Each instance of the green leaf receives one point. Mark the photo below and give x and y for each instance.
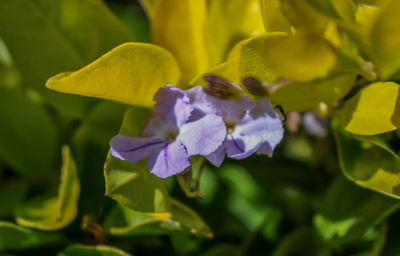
(300, 241)
(368, 161)
(180, 28)
(123, 221)
(132, 184)
(375, 109)
(14, 237)
(87, 250)
(349, 211)
(300, 57)
(309, 96)
(26, 127)
(130, 73)
(11, 196)
(227, 23)
(246, 201)
(384, 39)
(100, 124)
(55, 212)
(46, 37)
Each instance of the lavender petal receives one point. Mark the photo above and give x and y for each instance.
(168, 161)
(134, 149)
(204, 136)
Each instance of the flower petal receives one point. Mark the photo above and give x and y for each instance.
(258, 127)
(134, 149)
(217, 157)
(170, 160)
(204, 136)
(229, 110)
(173, 105)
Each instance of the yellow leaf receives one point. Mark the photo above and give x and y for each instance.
(384, 39)
(374, 110)
(300, 57)
(149, 6)
(228, 70)
(130, 73)
(229, 22)
(273, 17)
(304, 17)
(178, 26)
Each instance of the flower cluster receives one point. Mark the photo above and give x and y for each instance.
(194, 122)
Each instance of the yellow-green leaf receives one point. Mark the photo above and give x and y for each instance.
(56, 212)
(178, 26)
(309, 96)
(304, 17)
(132, 184)
(246, 59)
(252, 62)
(149, 6)
(228, 22)
(123, 221)
(131, 73)
(273, 17)
(14, 237)
(87, 250)
(228, 70)
(300, 57)
(375, 109)
(368, 161)
(384, 39)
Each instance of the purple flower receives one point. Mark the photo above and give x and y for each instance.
(171, 136)
(253, 126)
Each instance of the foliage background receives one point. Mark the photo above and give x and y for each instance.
(296, 203)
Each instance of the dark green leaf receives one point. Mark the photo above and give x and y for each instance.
(52, 213)
(26, 128)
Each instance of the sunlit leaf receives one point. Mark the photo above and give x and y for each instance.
(14, 237)
(28, 137)
(375, 109)
(349, 211)
(149, 6)
(300, 57)
(228, 22)
(228, 70)
(87, 250)
(273, 17)
(123, 221)
(304, 17)
(46, 37)
(252, 60)
(309, 96)
(368, 161)
(54, 212)
(130, 73)
(132, 184)
(179, 28)
(246, 59)
(384, 39)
